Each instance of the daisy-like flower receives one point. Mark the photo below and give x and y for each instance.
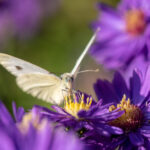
(31, 132)
(134, 100)
(82, 114)
(124, 34)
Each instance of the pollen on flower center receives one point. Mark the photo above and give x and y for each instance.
(135, 22)
(131, 119)
(73, 106)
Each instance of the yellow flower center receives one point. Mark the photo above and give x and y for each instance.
(131, 119)
(73, 106)
(135, 22)
(28, 119)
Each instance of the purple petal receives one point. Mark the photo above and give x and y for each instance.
(6, 143)
(5, 116)
(135, 85)
(43, 139)
(18, 113)
(68, 141)
(102, 51)
(136, 139)
(120, 85)
(112, 129)
(141, 148)
(146, 86)
(139, 62)
(58, 109)
(110, 17)
(143, 5)
(106, 91)
(146, 134)
(145, 128)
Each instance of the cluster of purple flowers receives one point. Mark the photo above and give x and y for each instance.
(120, 119)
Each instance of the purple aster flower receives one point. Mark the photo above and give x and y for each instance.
(83, 115)
(124, 34)
(30, 132)
(134, 100)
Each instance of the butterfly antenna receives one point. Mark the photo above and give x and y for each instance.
(84, 71)
(73, 72)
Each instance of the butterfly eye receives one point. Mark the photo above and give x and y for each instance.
(71, 79)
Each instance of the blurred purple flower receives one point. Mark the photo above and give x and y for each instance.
(23, 18)
(135, 101)
(37, 134)
(124, 34)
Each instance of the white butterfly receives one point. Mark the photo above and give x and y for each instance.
(39, 82)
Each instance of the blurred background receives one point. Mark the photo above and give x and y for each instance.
(51, 34)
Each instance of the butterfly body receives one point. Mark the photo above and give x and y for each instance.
(65, 86)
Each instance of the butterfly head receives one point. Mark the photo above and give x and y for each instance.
(67, 79)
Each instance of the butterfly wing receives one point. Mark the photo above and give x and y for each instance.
(33, 79)
(42, 86)
(18, 66)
